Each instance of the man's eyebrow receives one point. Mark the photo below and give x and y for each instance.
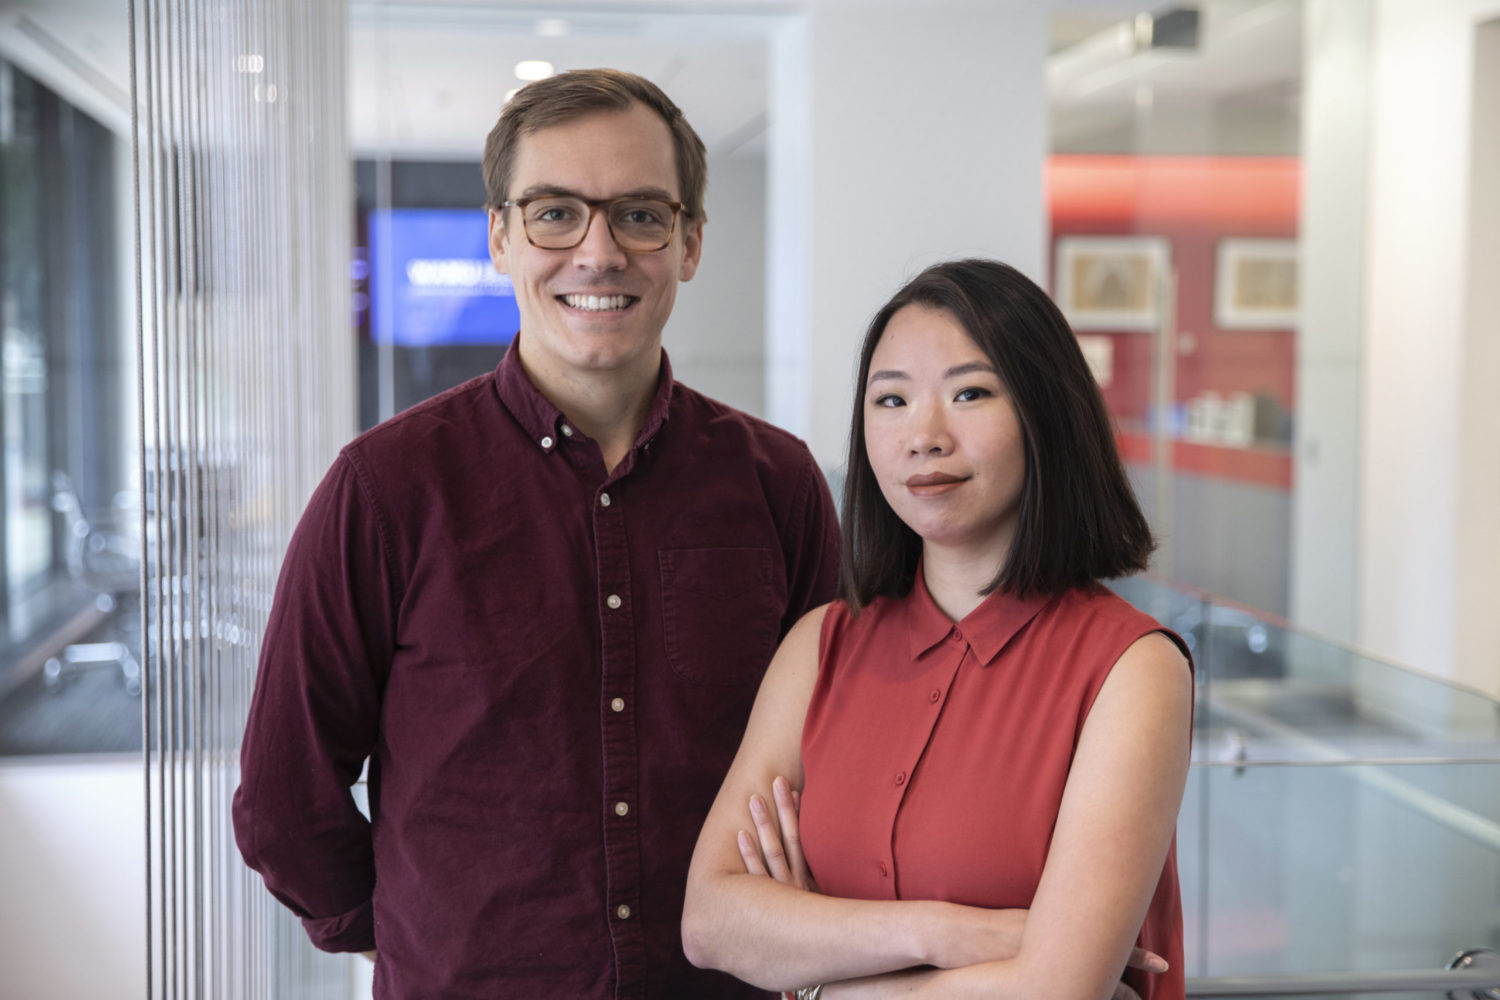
(557, 191)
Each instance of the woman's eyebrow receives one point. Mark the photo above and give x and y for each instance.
(886, 375)
(969, 368)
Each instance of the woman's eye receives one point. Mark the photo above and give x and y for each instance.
(972, 393)
(889, 399)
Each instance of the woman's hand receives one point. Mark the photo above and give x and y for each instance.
(777, 852)
(972, 935)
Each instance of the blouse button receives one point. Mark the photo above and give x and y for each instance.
(958, 636)
(934, 695)
(617, 705)
(621, 808)
(613, 600)
(622, 911)
(901, 778)
(567, 431)
(546, 442)
(604, 500)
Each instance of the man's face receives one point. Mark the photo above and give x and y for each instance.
(599, 156)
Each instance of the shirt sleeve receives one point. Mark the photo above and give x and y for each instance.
(811, 544)
(315, 714)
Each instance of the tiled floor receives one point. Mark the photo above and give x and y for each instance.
(90, 713)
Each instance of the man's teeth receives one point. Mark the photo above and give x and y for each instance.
(597, 303)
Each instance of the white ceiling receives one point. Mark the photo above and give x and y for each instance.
(427, 77)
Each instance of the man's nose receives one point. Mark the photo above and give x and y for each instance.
(598, 250)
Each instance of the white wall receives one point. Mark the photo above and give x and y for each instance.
(1323, 585)
(72, 879)
(921, 130)
(716, 336)
(1430, 468)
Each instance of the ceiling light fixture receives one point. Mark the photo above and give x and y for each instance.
(533, 69)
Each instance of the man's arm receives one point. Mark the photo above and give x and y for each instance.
(314, 716)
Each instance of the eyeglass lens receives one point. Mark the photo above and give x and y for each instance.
(637, 223)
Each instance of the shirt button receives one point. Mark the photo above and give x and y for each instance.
(901, 778)
(934, 695)
(604, 500)
(622, 911)
(958, 636)
(613, 600)
(567, 431)
(546, 442)
(618, 704)
(621, 808)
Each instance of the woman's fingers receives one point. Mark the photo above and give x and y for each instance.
(770, 840)
(787, 807)
(749, 854)
(1145, 960)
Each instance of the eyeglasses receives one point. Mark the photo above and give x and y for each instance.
(560, 222)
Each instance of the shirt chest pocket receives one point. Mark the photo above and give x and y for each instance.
(721, 613)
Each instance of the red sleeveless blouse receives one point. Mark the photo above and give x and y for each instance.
(935, 753)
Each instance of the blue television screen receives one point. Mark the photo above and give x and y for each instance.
(431, 280)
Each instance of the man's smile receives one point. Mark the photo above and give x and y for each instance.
(598, 303)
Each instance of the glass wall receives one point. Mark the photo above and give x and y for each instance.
(1174, 191)
(68, 593)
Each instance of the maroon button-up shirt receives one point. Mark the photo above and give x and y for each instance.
(549, 667)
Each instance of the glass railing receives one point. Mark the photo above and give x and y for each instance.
(1340, 834)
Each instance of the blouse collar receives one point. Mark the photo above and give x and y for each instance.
(987, 628)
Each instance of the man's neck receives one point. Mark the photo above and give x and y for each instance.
(610, 407)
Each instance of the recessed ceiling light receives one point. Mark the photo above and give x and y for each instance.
(552, 27)
(533, 69)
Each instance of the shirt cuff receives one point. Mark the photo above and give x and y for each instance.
(350, 931)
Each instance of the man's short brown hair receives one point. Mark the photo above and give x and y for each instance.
(566, 96)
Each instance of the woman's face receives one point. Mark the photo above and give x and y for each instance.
(941, 435)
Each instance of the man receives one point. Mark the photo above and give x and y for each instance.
(540, 603)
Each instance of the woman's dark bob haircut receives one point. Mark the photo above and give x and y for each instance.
(1079, 521)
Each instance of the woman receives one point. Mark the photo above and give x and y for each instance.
(991, 748)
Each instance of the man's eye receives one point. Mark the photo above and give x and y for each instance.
(554, 214)
(640, 215)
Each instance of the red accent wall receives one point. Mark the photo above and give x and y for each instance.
(1194, 202)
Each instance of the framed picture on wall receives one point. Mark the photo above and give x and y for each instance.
(1255, 284)
(1111, 282)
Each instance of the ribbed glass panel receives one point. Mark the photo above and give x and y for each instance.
(247, 390)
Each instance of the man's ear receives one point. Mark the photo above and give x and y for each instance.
(692, 249)
(497, 241)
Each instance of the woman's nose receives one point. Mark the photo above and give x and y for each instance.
(930, 432)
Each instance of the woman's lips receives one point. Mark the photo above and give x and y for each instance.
(931, 484)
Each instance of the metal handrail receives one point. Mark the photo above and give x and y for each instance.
(1472, 974)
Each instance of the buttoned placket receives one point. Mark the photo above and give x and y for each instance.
(928, 694)
(621, 791)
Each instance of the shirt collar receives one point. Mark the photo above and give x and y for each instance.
(987, 629)
(543, 422)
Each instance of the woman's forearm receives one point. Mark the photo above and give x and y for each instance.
(779, 937)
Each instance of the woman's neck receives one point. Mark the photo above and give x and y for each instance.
(955, 577)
